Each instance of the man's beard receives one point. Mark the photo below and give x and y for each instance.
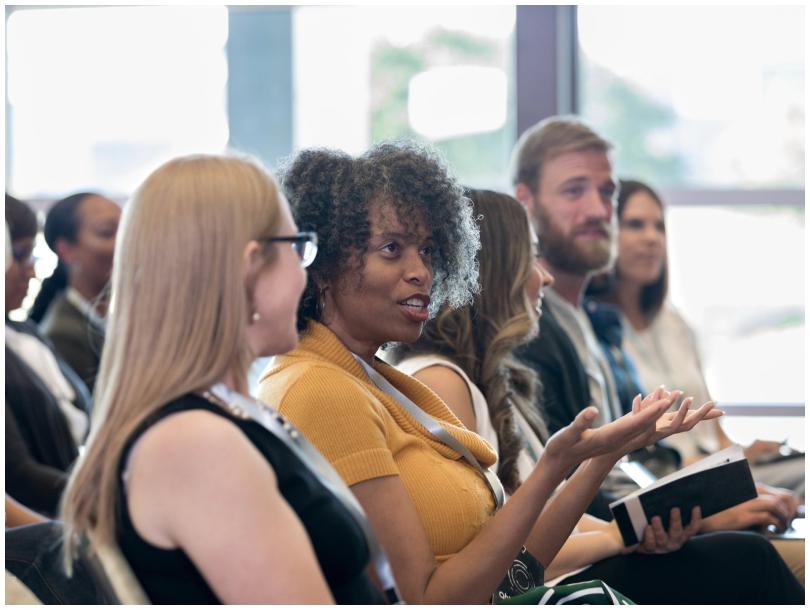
(565, 253)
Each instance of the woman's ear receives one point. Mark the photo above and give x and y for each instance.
(252, 258)
(65, 250)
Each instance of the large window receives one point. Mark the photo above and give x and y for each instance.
(98, 97)
(713, 115)
(698, 96)
(438, 74)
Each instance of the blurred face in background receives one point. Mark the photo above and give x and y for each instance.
(91, 255)
(20, 272)
(642, 240)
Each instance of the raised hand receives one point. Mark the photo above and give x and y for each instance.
(577, 441)
(678, 421)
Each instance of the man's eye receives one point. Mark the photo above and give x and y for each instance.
(575, 191)
(607, 193)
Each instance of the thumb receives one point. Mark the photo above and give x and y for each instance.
(586, 417)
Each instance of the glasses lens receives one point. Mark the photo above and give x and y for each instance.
(309, 249)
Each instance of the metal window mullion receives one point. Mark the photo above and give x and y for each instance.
(721, 197)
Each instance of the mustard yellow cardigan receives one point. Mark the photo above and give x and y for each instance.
(366, 434)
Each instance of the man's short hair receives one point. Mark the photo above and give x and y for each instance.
(548, 139)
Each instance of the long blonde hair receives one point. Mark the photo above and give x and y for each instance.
(178, 314)
(481, 338)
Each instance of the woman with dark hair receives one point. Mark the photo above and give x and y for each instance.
(71, 304)
(661, 342)
(47, 405)
(665, 350)
(399, 242)
(466, 356)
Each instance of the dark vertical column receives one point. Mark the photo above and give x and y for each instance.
(260, 81)
(546, 63)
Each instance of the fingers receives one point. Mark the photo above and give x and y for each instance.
(694, 524)
(648, 540)
(675, 524)
(585, 418)
(680, 415)
(766, 510)
(659, 532)
(636, 404)
(702, 413)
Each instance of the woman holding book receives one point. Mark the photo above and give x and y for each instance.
(466, 356)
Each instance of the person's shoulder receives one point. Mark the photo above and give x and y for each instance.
(300, 388)
(188, 436)
(671, 317)
(63, 319)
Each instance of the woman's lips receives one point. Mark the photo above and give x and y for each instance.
(415, 307)
(414, 312)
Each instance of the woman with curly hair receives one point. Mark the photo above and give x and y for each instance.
(466, 356)
(398, 241)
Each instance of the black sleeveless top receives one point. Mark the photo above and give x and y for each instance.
(169, 576)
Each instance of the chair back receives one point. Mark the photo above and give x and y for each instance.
(115, 574)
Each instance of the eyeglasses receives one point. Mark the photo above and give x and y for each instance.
(305, 245)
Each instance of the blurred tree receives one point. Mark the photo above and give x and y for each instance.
(479, 160)
(641, 127)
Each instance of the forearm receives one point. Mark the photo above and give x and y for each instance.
(558, 519)
(589, 523)
(472, 575)
(582, 549)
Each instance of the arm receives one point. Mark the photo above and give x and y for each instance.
(452, 389)
(196, 482)
(17, 514)
(34, 484)
(773, 506)
(557, 520)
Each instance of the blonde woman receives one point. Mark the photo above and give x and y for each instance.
(206, 503)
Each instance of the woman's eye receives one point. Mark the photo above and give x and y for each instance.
(391, 248)
(632, 224)
(428, 251)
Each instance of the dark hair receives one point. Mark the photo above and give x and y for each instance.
(482, 337)
(21, 219)
(331, 192)
(652, 296)
(60, 223)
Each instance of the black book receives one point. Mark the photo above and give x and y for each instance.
(715, 483)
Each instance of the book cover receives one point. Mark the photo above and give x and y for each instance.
(715, 483)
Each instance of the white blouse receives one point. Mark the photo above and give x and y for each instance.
(666, 352)
(484, 428)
